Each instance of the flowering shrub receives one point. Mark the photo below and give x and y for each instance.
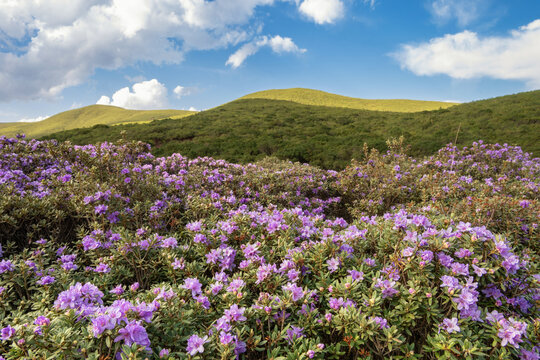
(108, 252)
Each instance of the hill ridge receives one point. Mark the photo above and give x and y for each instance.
(307, 96)
(247, 130)
(88, 116)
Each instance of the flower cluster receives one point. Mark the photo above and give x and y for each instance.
(393, 257)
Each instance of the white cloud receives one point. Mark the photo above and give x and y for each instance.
(464, 11)
(322, 11)
(36, 119)
(236, 59)
(181, 91)
(47, 46)
(277, 43)
(64, 42)
(146, 95)
(466, 55)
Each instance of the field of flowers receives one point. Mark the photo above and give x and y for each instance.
(109, 252)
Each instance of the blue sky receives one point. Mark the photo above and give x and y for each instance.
(150, 54)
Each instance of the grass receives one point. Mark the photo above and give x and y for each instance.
(321, 98)
(247, 130)
(86, 117)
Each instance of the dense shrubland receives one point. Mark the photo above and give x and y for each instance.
(248, 130)
(109, 251)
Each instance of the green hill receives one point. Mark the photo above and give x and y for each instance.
(321, 98)
(246, 130)
(86, 117)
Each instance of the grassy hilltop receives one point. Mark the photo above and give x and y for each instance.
(321, 98)
(85, 117)
(246, 130)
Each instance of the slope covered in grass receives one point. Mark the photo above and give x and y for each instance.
(321, 98)
(250, 129)
(85, 117)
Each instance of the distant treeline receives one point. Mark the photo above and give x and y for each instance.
(248, 130)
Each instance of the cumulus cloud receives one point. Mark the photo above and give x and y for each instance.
(322, 11)
(277, 43)
(463, 11)
(46, 46)
(36, 119)
(181, 91)
(467, 55)
(146, 95)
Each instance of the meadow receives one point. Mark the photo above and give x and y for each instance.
(88, 116)
(248, 130)
(322, 98)
(109, 251)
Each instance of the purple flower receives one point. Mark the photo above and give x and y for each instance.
(387, 287)
(178, 264)
(450, 282)
(236, 285)
(265, 271)
(200, 238)
(7, 332)
(192, 284)
(203, 300)
(42, 321)
(511, 332)
(235, 314)
(511, 263)
(529, 355)
(223, 324)
(356, 275)
(196, 344)
(383, 323)
(479, 271)
(460, 269)
(119, 290)
(134, 286)
(194, 226)
(169, 243)
(466, 299)
(68, 266)
(225, 338)
(407, 252)
(333, 264)
(6, 265)
(451, 325)
(46, 280)
(426, 255)
(133, 332)
(462, 253)
(89, 243)
(101, 323)
(163, 353)
(294, 333)
(79, 297)
(64, 178)
(369, 262)
(239, 347)
(295, 290)
(101, 209)
(102, 268)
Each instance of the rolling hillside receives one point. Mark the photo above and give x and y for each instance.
(246, 130)
(321, 98)
(87, 116)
